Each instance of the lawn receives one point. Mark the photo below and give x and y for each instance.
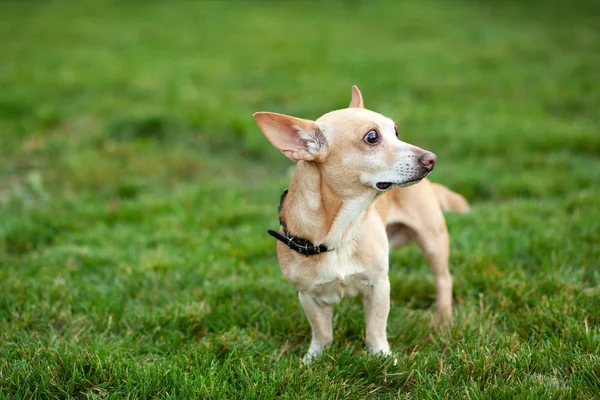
(136, 190)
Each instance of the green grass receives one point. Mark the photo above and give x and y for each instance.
(135, 191)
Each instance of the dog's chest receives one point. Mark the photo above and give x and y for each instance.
(334, 291)
(337, 276)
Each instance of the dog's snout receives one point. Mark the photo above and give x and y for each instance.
(427, 160)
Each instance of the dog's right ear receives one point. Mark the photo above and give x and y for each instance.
(357, 100)
(299, 139)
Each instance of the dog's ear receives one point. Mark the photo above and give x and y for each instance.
(299, 139)
(357, 100)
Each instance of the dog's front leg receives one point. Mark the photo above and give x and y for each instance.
(376, 300)
(319, 316)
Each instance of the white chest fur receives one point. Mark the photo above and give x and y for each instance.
(337, 266)
(333, 292)
(339, 275)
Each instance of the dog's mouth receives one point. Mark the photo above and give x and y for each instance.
(388, 185)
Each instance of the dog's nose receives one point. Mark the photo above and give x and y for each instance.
(427, 160)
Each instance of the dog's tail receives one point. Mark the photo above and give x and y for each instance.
(449, 200)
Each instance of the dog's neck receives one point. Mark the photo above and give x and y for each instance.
(314, 211)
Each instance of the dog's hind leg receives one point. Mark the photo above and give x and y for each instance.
(436, 247)
(319, 316)
(416, 214)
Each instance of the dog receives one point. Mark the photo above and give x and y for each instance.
(357, 191)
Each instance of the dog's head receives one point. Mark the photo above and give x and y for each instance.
(353, 147)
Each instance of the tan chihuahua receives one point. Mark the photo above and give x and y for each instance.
(357, 190)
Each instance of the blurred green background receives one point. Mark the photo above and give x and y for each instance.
(135, 190)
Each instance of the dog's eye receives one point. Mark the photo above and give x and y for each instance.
(371, 138)
(396, 130)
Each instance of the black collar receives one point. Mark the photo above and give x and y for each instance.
(299, 245)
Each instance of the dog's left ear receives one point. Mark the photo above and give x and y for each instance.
(357, 100)
(299, 139)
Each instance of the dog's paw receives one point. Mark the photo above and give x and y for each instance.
(312, 354)
(387, 354)
(442, 320)
(383, 350)
(379, 347)
(310, 357)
